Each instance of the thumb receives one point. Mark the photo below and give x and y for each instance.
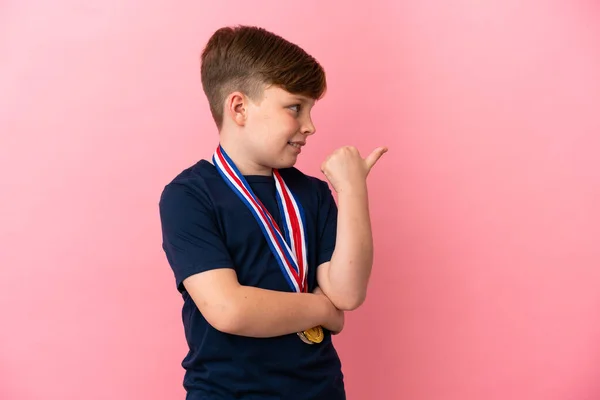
(374, 156)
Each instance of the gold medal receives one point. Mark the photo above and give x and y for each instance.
(312, 335)
(303, 338)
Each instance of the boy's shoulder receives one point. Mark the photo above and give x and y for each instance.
(201, 182)
(192, 173)
(201, 171)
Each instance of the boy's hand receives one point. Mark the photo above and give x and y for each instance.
(335, 322)
(345, 168)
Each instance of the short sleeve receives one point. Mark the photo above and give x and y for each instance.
(327, 224)
(191, 239)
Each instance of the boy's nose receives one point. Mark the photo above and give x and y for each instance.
(308, 128)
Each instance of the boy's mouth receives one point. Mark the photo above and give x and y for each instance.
(297, 145)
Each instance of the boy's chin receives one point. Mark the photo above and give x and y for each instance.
(281, 164)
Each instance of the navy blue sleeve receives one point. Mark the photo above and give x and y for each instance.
(327, 223)
(191, 239)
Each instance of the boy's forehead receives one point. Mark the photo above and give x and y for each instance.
(284, 94)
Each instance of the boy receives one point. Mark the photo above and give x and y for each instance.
(263, 259)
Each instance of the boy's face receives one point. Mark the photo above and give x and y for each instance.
(277, 127)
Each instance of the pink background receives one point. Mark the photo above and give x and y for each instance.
(486, 209)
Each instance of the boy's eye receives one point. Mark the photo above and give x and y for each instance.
(295, 107)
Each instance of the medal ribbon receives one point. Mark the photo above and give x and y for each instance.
(289, 251)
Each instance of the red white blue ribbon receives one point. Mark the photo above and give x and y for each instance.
(289, 246)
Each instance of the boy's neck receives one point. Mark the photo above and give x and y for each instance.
(245, 166)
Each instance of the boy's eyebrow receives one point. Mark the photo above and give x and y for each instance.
(303, 99)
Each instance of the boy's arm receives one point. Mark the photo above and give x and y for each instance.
(345, 278)
(248, 311)
(203, 267)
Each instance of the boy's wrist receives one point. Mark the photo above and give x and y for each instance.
(351, 188)
(325, 308)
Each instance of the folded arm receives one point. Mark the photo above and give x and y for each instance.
(202, 264)
(248, 311)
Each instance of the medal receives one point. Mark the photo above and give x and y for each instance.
(312, 335)
(289, 247)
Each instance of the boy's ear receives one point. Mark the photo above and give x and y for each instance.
(236, 107)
